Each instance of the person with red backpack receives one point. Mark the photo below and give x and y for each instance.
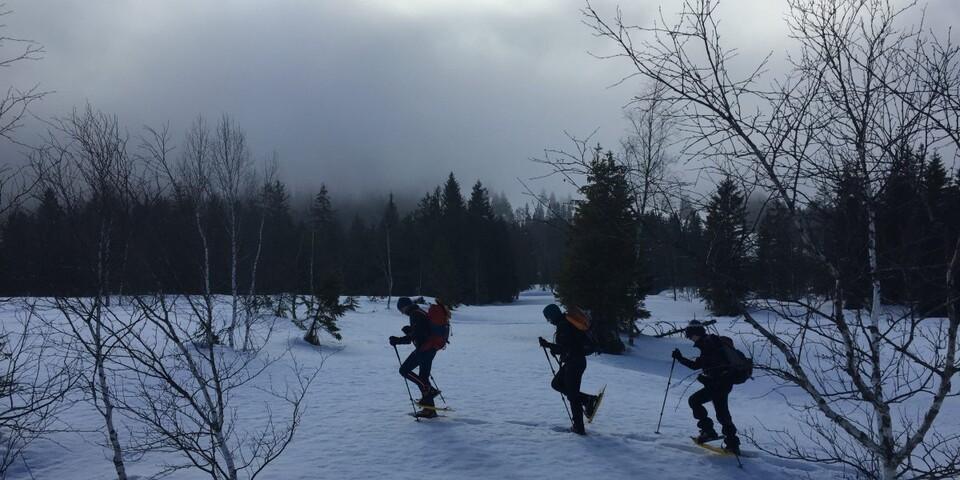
(572, 347)
(720, 371)
(429, 333)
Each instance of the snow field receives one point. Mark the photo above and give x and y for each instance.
(507, 423)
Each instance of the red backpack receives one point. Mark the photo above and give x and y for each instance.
(439, 316)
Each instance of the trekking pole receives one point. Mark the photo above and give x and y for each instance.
(662, 407)
(405, 384)
(434, 380)
(562, 398)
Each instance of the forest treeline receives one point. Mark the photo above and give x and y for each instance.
(108, 218)
(464, 246)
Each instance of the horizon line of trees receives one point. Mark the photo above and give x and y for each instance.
(202, 218)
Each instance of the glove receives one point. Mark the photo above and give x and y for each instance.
(406, 329)
(394, 341)
(676, 354)
(544, 343)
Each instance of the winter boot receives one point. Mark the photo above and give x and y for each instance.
(578, 429)
(426, 398)
(707, 436)
(427, 413)
(732, 444)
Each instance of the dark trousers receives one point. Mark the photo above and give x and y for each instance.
(718, 394)
(424, 360)
(567, 381)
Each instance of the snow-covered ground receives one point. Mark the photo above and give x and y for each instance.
(507, 422)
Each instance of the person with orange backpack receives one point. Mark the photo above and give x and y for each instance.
(723, 366)
(428, 332)
(571, 349)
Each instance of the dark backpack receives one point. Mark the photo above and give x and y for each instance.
(739, 366)
(439, 316)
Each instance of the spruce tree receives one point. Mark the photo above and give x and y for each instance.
(778, 266)
(902, 224)
(448, 262)
(600, 269)
(479, 237)
(846, 239)
(325, 276)
(935, 240)
(724, 287)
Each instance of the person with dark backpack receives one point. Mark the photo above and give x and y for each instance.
(572, 345)
(722, 366)
(428, 333)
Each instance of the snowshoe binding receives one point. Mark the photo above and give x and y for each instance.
(706, 436)
(593, 404)
(426, 413)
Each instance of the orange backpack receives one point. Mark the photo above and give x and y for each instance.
(581, 321)
(578, 318)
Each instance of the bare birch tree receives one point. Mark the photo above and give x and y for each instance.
(184, 395)
(875, 380)
(91, 170)
(33, 385)
(15, 182)
(190, 178)
(15, 102)
(251, 302)
(646, 149)
(232, 173)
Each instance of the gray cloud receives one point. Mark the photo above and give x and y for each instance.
(362, 95)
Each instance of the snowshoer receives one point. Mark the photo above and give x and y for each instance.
(572, 346)
(717, 384)
(426, 344)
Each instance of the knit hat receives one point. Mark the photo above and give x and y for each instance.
(694, 329)
(552, 313)
(403, 303)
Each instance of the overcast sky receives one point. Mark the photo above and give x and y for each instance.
(360, 94)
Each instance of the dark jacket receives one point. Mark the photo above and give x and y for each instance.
(713, 362)
(570, 342)
(419, 330)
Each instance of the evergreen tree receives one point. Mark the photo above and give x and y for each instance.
(600, 269)
(778, 266)
(846, 240)
(18, 258)
(725, 285)
(277, 259)
(325, 310)
(902, 225)
(325, 277)
(479, 236)
(361, 273)
(448, 262)
(936, 238)
(55, 263)
(326, 237)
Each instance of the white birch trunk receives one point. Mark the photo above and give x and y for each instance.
(389, 271)
(248, 316)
